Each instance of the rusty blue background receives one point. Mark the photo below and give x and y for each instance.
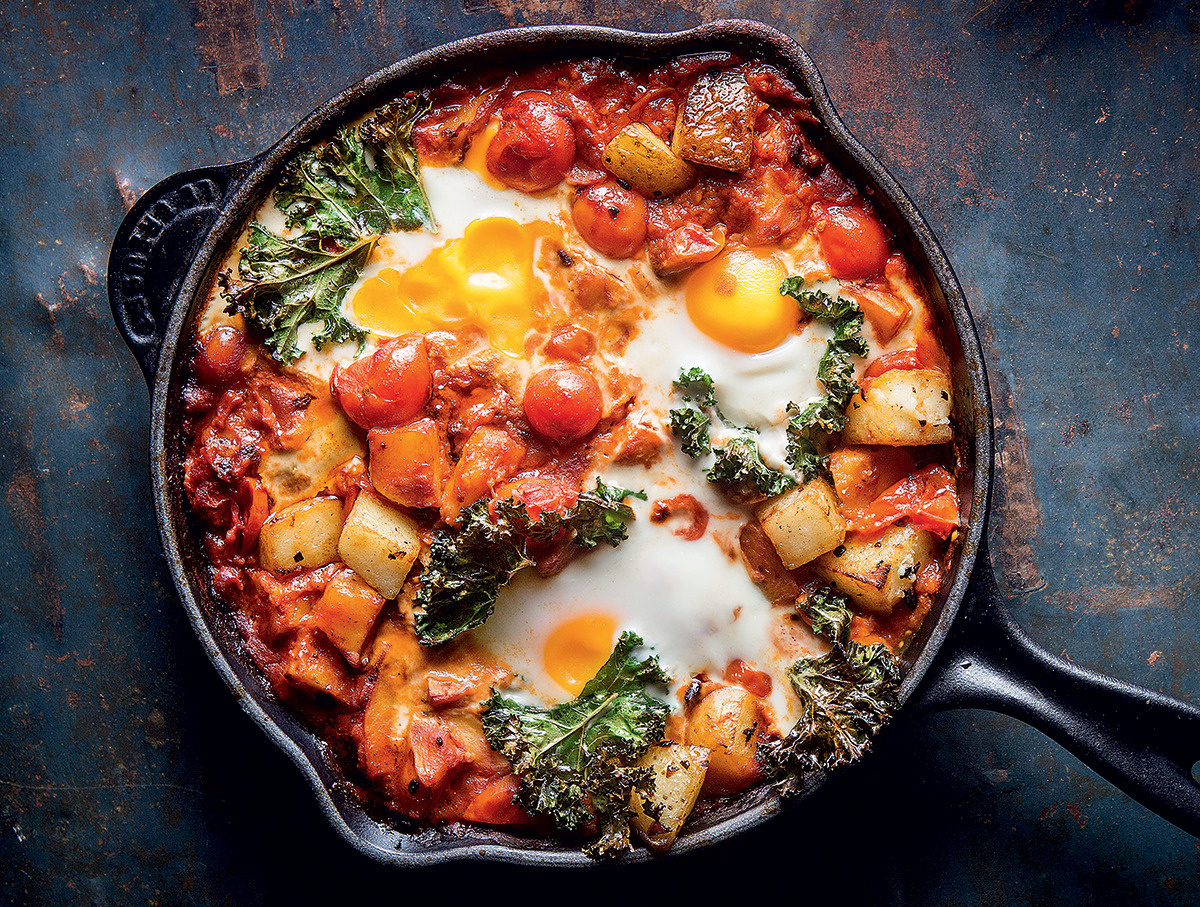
(1053, 148)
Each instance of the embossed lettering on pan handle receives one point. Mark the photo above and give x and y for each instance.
(153, 249)
(1143, 742)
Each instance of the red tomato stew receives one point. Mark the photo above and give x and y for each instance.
(574, 445)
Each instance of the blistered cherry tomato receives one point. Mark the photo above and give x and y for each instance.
(563, 402)
(569, 341)
(855, 243)
(611, 219)
(535, 145)
(219, 358)
(388, 387)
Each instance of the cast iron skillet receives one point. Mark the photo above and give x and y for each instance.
(970, 653)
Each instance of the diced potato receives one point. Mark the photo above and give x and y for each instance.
(346, 612)
(803, 523)
(312, 668)
(724, 722)
(488, 458)
(877, 572)
(647, 163)
(379, 543)
(303, 535)
(884, 312)
(906, 407)
(678, 776)
(715, 125)
(295, 475)
(409, 464)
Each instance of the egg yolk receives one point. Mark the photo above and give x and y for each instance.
(476, 157)
(485, 280)
(735, 300)
(577, 648)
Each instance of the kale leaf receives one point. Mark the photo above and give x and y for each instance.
(738, 465)
(575, 760)
(466, 568)
(835, 372)
(467, 565)
(846, 696)
(337, 199)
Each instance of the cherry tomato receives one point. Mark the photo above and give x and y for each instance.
(906, 359)
(563, 402)
(219, 358)
(611, 219)
(535, 145)
(388, 387)
(756, 682)
(855, 243)
(541, 494)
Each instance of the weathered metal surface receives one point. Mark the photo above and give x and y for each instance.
(1053, 147)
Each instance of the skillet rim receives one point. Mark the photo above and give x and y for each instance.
(378, 839)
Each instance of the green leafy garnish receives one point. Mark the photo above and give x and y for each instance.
(846, 696)
(835, 372)
(337, 198)
(575, 760)
(829, 614)
(738, 466)
(468, 565)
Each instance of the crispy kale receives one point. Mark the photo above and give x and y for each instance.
(846, 696)
(738, 465)
(467, 565)
(835, 372)
(576, 760)
(337, 199)
(466, 568)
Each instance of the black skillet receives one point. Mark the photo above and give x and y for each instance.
(970, 653)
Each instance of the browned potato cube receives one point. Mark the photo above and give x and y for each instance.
(715, 125)
(312, 668)
(901, 407)
(647, 163)
(725, 723)
(303, 535)
(678, 776)
(803, 523)
(294, 475)
(379, 543)
(877, 572)
(346, 612)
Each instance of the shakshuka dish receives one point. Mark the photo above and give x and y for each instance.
(573, 448)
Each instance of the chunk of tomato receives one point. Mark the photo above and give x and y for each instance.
(854, 242)
(541, 494)
(388, 387)
(927, 498)
(535, 145)
(563, 402)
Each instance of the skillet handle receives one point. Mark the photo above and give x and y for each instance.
(1143, 742)
(154, 248)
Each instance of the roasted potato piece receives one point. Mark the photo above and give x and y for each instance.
(877, 572)
(312, 668)
(647, 163)
(904, 407)
(886, 313)
(715, 125)
(303, 535)
(678, 776)
(803, 523)
(346, 612)
(295, 475)
(409, 464)
(725, 723)
(379, 543)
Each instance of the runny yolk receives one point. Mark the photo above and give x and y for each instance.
(485, 279)
(577, 648)
(735, 300)
(476, 156)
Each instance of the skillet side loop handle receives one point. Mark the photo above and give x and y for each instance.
(154, 248)
(1143, 742)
